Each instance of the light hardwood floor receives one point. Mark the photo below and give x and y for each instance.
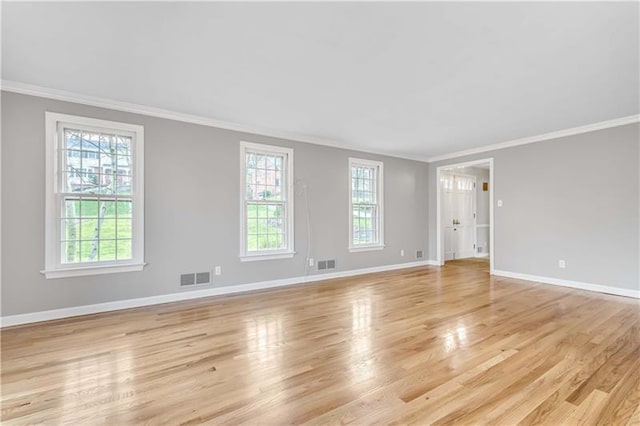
(426, 345)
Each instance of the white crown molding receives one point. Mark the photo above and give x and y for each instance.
(62, 95)
(626, 292)
(31, 317)
(539, 138)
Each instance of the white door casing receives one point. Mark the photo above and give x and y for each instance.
(448, 168)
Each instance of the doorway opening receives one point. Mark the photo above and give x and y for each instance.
(465, 228)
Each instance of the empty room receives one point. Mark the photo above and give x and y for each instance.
(281, 213)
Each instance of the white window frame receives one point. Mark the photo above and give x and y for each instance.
(54, 268)
(288, 251)
(379, 245)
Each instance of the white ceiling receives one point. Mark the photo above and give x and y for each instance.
(409, 79)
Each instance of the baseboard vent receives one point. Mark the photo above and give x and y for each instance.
(203, 277)
(326, 264)
(187, 279)
(195, 278)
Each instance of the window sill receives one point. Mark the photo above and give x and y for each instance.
(91, 270)
(366, 248)
(267, 256)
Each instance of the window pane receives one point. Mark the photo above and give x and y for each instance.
(70, 251)
(124, 228)
(124, 209)
(107, 250)
(262, 242)
(86, 208)
(122, 185)
(124, 250)
(106, 144)
(70, 233)
(70, 209)
(107, 228)
(355, 230)
(90, 228)
(252, 211)
(252, 242)
(265, 227)
(72, 160)
(263, 177)
(365, 224)
(111, 183)
(91, 223)
(72, 181)
(363, 185)
(274, 211)
(251, 161)
(69, 229)
(89, 250)
(123, 145)
(262, 226)
(276, 241)
(123, 163)
(97, 163)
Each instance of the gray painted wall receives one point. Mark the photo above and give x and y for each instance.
(555, 207)
(573, 198)
(192, 209)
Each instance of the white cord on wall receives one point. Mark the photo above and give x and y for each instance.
(304, 191)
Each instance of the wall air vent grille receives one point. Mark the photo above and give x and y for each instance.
(187, 279)
(203, 277)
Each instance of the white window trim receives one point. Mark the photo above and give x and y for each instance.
(54, 268)
(354, 248)
(267, 254)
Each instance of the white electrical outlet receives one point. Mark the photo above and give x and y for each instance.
(311, 261)
(562, 264)
(218, 270)
(499, 203)
(402, 252)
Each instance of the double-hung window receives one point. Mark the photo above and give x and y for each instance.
(94, 196)
(366, 224)
(266, 185)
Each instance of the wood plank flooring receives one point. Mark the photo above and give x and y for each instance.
(428, 345)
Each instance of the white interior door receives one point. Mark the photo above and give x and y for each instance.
(459, 227)
(448, 214)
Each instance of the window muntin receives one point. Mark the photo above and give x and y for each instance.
(95, 207)
(96, 222)
(366, 208)
(267, 214)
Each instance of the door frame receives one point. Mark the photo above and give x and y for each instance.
(439, 233)
(475, 208)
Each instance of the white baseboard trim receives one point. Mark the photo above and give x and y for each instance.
(573, 284)
(11, 320)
